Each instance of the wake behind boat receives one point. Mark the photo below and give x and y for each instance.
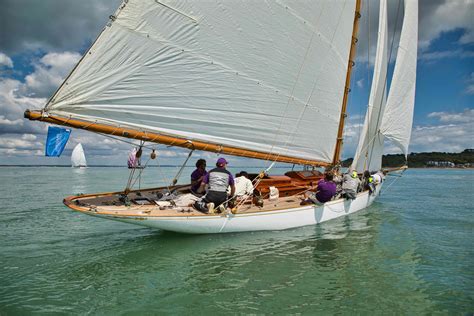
(181, 75)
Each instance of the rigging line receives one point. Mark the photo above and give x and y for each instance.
(255, 183)
(396, 179)
(125, 141)
(386, 74)
(176, 178)
(140, 174)
(165, 179)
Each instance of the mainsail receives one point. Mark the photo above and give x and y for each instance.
(390, 117)
(78, 158)
(260, 76)
(369, 151)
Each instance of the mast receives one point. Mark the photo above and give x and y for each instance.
(351, 63)
(166, 139)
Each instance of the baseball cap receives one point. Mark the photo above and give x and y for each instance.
(221, 161)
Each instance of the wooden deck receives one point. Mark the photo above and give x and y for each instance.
(149, 202)
(111, 205)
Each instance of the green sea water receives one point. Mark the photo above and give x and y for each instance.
(410, 253)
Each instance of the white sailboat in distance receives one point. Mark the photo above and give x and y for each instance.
(78, 157)
(264, 79)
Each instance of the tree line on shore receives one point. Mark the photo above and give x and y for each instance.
(422, 160)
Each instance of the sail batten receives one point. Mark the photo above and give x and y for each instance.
(269, 75)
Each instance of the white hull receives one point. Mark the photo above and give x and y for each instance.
(272, 220)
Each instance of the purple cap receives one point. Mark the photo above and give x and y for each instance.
(221, 161)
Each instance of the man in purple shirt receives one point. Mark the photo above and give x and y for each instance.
(326, 188)
(325, 191)
(198, 175)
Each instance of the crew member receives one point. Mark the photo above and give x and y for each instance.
(218, 180)
(197, 176)
(243, 185)
(326, 190)
(350, 185)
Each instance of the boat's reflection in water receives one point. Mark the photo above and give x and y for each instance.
(80, 180)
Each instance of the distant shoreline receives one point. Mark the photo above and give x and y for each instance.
(125, 167)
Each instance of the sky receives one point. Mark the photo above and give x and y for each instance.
(41, 41)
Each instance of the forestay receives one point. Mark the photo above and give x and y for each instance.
(370, 149)
(257, 75)
(398, 118)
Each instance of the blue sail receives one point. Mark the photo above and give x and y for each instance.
(56, 141)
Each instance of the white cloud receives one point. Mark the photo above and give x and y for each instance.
(454, 134)
(12, 106)
(52, 25)
(470, 84)
(16, 97)
(432, 56)
(11, 143)
(435, 18)
(5, 121)
(470, 89)
(360, 83)
(49, 73)
(445, 17)
(444, 138)
(5, 60)
(448, 117)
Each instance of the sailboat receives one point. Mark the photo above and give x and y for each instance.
(78, 158)
(268, 80)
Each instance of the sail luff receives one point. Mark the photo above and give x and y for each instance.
(351, 63)
(167, 140)
(64, 83)
(369, 151)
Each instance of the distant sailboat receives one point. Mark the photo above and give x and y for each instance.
(78, 158)
(264, 79)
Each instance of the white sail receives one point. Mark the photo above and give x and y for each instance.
(78, 158)
(370, 149)
(398, 117)
(258, 75)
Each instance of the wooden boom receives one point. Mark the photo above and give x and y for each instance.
(167, 139)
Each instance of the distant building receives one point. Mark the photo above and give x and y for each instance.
(442, 164)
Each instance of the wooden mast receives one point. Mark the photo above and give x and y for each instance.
(166, 139)
(351, 63)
